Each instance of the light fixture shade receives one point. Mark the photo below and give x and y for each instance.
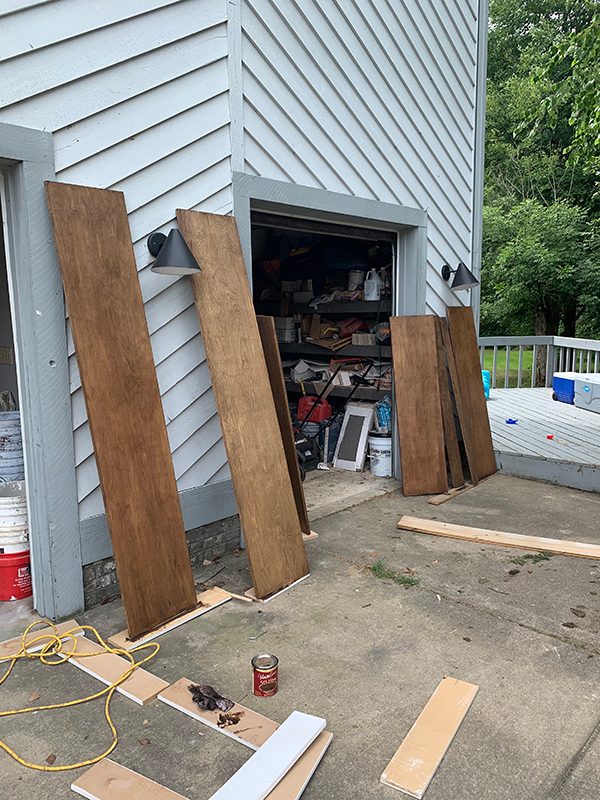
(175, 257)
(463, 278)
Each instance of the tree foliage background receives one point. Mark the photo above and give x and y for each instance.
(541, 231)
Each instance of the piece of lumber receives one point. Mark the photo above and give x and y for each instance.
(416, 760)
(108, 780)
(263, 771)
(253, 730)
(308, 537)
(205, 601)
(450, 437)
(140, 686)
(468, 367)
(253, 596)
(443, 498)
(245, 404)
(122, 398)
(231, 594)
(538, 543)
(268, 336)
(460, 407)
(419, 417)
(11, 647)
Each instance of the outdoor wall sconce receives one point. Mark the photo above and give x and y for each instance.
(463, 277)
(173, 256)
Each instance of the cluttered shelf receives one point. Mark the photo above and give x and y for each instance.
(365, 351)
(369, 307)
(362, 393)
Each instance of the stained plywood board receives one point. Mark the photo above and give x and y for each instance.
(520, 541)
(418, 405)
(107, 780)
(123, 403)
(252, 729)
(460, 406)
(268, 336)
(450, 437)
(205, 601)
(468, 368)
(11, 647)
(245, 404)
(140, 686)
(263, 771)
(416, 760)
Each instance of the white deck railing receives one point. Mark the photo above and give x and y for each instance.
(562, 354)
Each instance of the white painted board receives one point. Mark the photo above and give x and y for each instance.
(263, 771)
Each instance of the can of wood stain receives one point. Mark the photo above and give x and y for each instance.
(264, 683)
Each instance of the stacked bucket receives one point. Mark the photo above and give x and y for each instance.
(15, 570)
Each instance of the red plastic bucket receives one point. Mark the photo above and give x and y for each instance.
(15, 576)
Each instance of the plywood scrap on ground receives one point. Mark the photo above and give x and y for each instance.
(468, 373)
(253, 730)
(108, 780)
(517, 540)
(265, 769)
(236, 362)
(123, 404)
(140, 686)
(416, 760)
(205, 601)
(252, 594)
(12, 646)
(420, 426)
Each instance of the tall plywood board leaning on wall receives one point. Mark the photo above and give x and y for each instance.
(420, 427)
(268, 336)
(126, 418)
(468, 370)
(240, 380)
(450, 437)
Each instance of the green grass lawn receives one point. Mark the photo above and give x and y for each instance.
(513, 366)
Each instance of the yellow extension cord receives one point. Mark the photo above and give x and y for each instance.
(53, 647)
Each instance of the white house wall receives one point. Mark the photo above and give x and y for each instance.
(136, 95)
(375, 99)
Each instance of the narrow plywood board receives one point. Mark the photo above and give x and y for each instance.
(11, 647)
(263, 771)
(268, 336)
(416, 760)
(291, 786)
(518, 540)
(123, 403)
(450, 437)
(468, 368)
(460, 406)
(205, 601)
(107, 780)
(245, 404)
(140, 686)
(253, 729)
(418, 404)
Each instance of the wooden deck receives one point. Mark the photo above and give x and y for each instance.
(570, 458)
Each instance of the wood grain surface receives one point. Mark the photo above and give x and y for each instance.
(268, 336)
(123, 404)
(458, 400)
(418, 405)
(468, 369)
(245, 404)
(108, 780)
(451, 439)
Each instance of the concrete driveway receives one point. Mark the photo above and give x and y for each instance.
(367, 654)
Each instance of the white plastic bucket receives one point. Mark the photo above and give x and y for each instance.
(356, 278)
(14, 524)
(380, 452)
(11, 447)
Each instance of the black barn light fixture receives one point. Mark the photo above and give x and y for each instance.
(173, 256)
(463, 277)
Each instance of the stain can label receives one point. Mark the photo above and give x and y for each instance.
(265, 675)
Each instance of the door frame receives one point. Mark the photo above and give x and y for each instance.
(39, 329)
(252, 193)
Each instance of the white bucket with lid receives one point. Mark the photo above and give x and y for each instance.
(14, 524)
(380, 453)
(356, 278)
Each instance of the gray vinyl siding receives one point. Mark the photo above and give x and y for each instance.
(375, 99)
(136, 96)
